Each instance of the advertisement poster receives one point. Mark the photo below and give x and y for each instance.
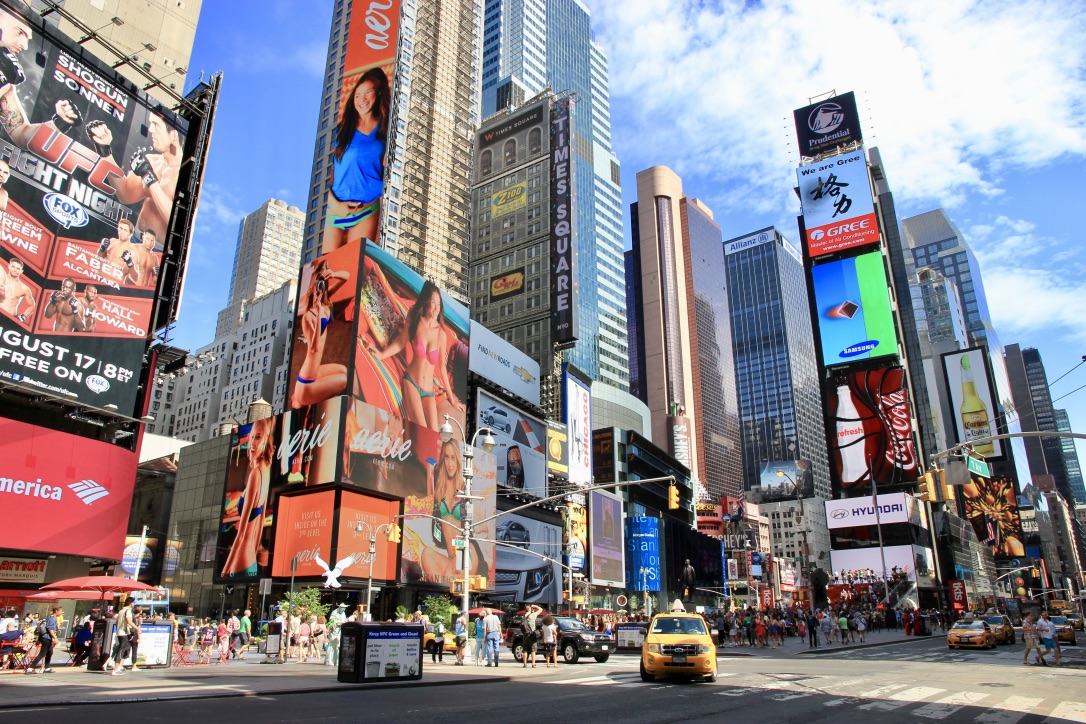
(143, 557)
(517, 140)
(606, 543)
(578, 410)
(412, 344)
(826, 125)
(23, 570)
(360, 518)
(520, 575)
(971, 400)
(323, 326)
(643, 553)
(494, 359)
(630, 635)
(786, 480)
(392, 652)
(838, 211)
(156, 645)
(287, 452)
(304, 532)
(557, 449)
(68, 494)
(854, 512)
(854, 315)
(992, 509)
(522, 462)
(870, 412)
(909, 561)
(958, 599)
(564, 286)
(575, 537)
(87, 182)
(358, 152)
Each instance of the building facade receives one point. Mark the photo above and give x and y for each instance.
(1070, 457)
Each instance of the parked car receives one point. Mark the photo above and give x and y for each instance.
(678, 644)
(971, 634)
(1002, 628)
(429, 638)
(574, 641)
(497, 419)
(1065, 632)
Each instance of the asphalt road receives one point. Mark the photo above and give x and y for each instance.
(913, 682)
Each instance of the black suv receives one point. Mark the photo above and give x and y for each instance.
(574, 641)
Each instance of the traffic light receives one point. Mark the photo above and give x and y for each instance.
(927, 486)
(673, 497)
(948, 490)
(456, 587)
(394, 535)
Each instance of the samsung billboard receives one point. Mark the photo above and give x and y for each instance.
(855, 319)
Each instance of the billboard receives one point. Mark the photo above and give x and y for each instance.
(992, 509)
(507, 284)
(575, 536)
(911, 561)
(516, 139)
(855, 320)
(973, 405)
(563, 231)
(578, 411)
(522, 461)
(358, 153)
(360, 518)
(89, 168)
(295, 450)
(411, 350)
(747, 242)
(643, 554)
(323, 324)
(557, 449)
(853, 512)
(838, 211)
(503, 364)
(63, 493)
(606, 544)
(786, 480)
(830, 124)
(872, 436)
(140, 556)
(304, 531)
(603, 455)
(521, 576)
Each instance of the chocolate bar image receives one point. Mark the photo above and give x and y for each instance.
(845, 310)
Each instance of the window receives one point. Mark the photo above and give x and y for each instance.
(509, 152)
(486, 162)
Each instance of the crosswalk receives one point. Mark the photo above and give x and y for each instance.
(861, 694)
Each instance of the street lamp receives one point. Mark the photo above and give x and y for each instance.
(487, 443)
(799, 519)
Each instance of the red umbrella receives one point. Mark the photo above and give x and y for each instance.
(70, 595)
(99, 584)
(600, 611)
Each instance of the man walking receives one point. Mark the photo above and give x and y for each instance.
(492, 628)
(812, 630)
(1047, 633)
(1029, 636)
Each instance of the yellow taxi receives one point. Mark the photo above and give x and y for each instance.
(969, 633)
(1065, 630)
(429, 644)
(1076, 621)
(1001, 627)
(678, 644)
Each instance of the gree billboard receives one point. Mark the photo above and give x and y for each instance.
(838, 211)
(855, 319)
(88, 172)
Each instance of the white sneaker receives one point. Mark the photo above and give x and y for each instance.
(118, 671)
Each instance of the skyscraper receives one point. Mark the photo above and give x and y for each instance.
(266, 255)
(529, 45)
(1070, 457)
(435, 111)
(680, 324)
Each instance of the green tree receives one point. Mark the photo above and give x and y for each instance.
(307, 598)
(439, 607)
(402, 612)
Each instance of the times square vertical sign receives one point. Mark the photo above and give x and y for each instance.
(563, 239)
(89, 168)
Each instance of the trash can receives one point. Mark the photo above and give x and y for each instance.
(923, 625)
(350, 653)
(102, 632)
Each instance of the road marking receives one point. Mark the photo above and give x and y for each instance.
(946, 706)
(840, 702)
(901, 698)
(1068, 711)
(876, 693)
(742, 691)
(1009, 710)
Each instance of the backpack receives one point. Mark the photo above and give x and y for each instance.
(40, 630)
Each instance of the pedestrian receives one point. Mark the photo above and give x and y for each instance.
(1029, 636)
(480, 641)
(461, 633)
(81, 644)
(245, 630)
(492, 626)
(319, 640)
(861, 626)
(437, 653)
(530, 638)
(134, 634)
(233, 628)
(121, 647)
(827, 628)
(47, 637)
(334, 624)
(549, 633)
(1047, 634)
(812, 630)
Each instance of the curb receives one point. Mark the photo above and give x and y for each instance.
(826, 650)
(252, 694)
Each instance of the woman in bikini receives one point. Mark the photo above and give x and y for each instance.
(316, 381)
(245, 553)
(425, 336)
(354, 202)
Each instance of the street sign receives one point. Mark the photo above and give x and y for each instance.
(978, 466)
(265, 586)
(458, 543)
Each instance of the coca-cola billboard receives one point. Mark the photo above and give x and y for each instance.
(872, 429)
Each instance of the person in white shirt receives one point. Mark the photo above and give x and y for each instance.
(1047, 632)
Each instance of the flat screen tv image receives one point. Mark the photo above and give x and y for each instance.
(607, 544)
(88, 176)
(854, 314)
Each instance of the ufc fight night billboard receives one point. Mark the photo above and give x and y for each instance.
(88, 173)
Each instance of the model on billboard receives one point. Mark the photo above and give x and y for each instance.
(65, 309)
(5, 174)
(318, 381)
(514, 468)
(246, 553)
(136, 261)
(424, 335)
(16, 299)
(15, 37)
(358, 169)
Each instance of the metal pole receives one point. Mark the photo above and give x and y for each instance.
(469, 473)
(290, 603)
(139, 554)
(369, 582)
(882, 550)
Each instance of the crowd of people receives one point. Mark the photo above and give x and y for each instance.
(867, 575)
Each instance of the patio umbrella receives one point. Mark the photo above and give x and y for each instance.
(70, 595)
(600, 611)
(100, 584)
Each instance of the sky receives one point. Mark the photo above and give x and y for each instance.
(976, 107)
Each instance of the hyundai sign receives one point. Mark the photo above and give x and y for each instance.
(853, 512)
(838, 211)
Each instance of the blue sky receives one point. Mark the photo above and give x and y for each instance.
(979, 108)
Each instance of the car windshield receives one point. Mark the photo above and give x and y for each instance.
(570, 623)
(970, 625)
(1059, 620)
(995, 620)
(678, 625)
